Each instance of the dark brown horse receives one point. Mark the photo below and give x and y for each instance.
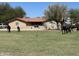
(65, 27)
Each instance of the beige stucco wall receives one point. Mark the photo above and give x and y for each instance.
(14, 26)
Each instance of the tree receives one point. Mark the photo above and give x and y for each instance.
(27, 17)
(19, 12)
(74, 14)
(8, 13)
(56, 12)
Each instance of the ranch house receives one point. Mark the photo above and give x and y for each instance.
(28, 23)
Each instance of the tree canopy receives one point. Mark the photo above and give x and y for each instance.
(7, 12)
(74, 14)
(55, 12)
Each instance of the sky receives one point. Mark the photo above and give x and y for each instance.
(36, 9)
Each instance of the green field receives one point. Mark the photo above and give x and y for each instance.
(42, 43)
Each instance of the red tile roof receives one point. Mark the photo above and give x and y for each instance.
(31, 19)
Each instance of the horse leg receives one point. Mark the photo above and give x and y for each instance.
(69, 30)
(62, 31)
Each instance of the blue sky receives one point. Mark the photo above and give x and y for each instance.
(36, 9)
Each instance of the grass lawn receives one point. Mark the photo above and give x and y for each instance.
(42, 43)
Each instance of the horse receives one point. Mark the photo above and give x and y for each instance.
(75, 26)
(65, 27)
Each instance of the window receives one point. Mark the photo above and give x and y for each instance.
(17, 23)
